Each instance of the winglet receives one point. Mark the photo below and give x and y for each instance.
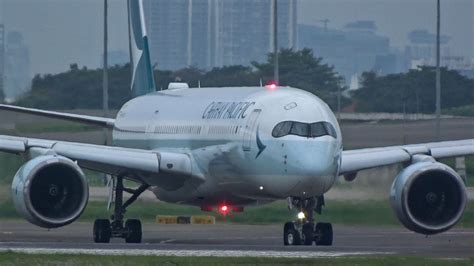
(143, 81)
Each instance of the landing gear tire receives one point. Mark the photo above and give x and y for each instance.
(131, 230)
(323, 234)
(134, 231)
(291, 236)
(308, 234)
(102, 232)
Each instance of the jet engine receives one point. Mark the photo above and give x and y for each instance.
(428, 197)
(50, 191)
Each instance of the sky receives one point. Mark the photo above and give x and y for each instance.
(62, 32)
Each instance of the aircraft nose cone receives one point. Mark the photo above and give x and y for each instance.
(312, 157)
(313, 166)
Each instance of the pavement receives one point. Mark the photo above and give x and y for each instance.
(236, 240)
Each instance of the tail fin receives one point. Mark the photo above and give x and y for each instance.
(143, 81)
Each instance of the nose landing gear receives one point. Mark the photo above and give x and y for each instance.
(304, 231)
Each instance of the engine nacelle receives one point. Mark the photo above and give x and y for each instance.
(428, 197)
(50, 191)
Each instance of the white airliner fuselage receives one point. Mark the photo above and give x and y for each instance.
(227, 134)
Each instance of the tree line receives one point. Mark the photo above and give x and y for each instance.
(81, 88)
(2, 96)
(413, 92)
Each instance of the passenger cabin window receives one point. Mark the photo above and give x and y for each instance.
(309, 130)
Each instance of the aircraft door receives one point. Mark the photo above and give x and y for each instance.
(152, 123)
(250, 129)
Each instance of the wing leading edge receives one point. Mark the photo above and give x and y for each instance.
(361, 159)
(131, 163)
(85, 119)
(106, 159)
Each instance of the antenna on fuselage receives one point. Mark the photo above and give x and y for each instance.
(261, 83)
(199, 84)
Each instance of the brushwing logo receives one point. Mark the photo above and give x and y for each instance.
(260, 145)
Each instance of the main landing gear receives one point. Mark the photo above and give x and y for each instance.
(304, 231)
(131, 230)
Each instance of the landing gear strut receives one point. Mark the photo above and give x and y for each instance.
(131, 230)
(304, 231)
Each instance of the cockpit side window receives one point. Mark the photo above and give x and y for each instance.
(330, 129)
(309, 130)
(282, 129)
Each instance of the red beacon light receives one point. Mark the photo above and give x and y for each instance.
(224, 210)
(271, 86)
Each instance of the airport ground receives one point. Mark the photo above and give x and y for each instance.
(239, 240)
(365, 229)
(365, 232)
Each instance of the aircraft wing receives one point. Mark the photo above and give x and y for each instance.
(85, 119)
(357, 160)
(110, 160)
(133, 163)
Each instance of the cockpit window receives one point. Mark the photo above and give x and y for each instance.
(282, 129)
(318, 130)
(309, 130)
(300, 129)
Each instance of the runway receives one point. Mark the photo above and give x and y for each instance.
(235, 240)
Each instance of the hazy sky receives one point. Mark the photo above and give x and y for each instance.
(61, 32)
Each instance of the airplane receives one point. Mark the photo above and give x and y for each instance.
(224, 148)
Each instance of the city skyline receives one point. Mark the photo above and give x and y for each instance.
(214, 33)
(78, 39)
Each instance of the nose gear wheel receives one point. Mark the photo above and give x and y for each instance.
(305, 231)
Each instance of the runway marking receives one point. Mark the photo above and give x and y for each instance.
(459, 233)
(167, 241)
(191, 253)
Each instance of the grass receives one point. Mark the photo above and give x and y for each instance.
(9, 165)
(470, 171)
(469, 168)
(10, 258)
(365, 213)
(467, 110)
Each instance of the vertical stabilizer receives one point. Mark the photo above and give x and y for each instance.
(143, 81)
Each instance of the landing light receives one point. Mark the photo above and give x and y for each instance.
(301, 215)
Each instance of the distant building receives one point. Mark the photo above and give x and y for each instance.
(210, 33)
(422, 52)
(423, 45)
(17, 66)
(245, 30)
(167, 25)
(354, 49)
(2, 57)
